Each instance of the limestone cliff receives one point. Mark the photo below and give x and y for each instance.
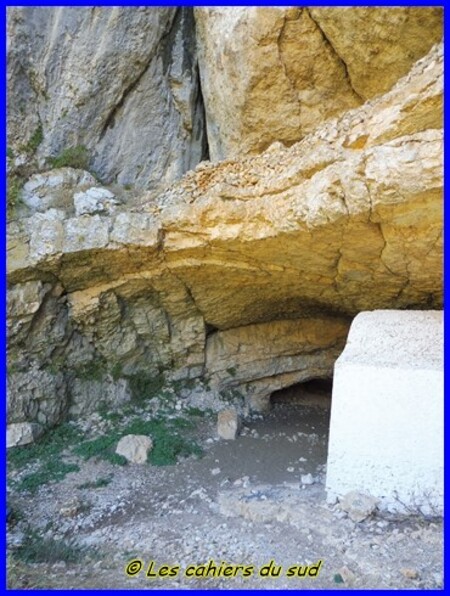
(246, 272)
(121, 82)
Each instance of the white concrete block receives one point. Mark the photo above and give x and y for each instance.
(387, 413)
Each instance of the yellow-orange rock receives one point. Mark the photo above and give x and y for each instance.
(348, 219)
(275, 74)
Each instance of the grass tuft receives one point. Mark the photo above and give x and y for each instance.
(36, 549)
(72, 157)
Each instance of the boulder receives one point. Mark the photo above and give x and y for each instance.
(48, 189)
(22, 433)
(135, 448)
(228, 424)
(93, 200)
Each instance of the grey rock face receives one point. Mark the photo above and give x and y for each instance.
(22, 433)
(122, 82)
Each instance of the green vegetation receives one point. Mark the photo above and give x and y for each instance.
(116, 371)
(103, 447)
(10, 153)
(72, 157)
(44, 461)
(144, 387)
(199, 413)
(91, 371)
(50, 471)
(48, 446)
(15, 185)
(231, 395)
(168, 444)
(36, 549)
(36, 139)
(46, 452)
(99, 483)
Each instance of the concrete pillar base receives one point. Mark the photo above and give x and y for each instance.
(386, 429)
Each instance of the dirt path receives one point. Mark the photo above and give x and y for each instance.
(241, 504)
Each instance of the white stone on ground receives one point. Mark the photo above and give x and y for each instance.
(135, 448)
(307, 479)
(228, 424)
(358, 505)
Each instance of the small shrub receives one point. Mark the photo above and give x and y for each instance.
(72, 157)
(103, 447)
(50, 471)
(144, 387)
(36, 139)
(100, 483)
(36, 549)
(15, 185)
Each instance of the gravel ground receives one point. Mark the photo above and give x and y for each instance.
(242, 504)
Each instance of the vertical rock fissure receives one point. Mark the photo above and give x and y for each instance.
(336, 53)
(203, 129)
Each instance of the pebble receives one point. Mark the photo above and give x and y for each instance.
(409, 573)
(307, 479)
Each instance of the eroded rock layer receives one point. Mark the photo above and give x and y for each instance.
(281, 249)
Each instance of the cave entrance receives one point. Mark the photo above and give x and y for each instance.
(315, 392)
(295, 435)
(286, 444)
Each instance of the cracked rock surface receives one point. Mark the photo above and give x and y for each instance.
(283, 71)
(348, 219)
